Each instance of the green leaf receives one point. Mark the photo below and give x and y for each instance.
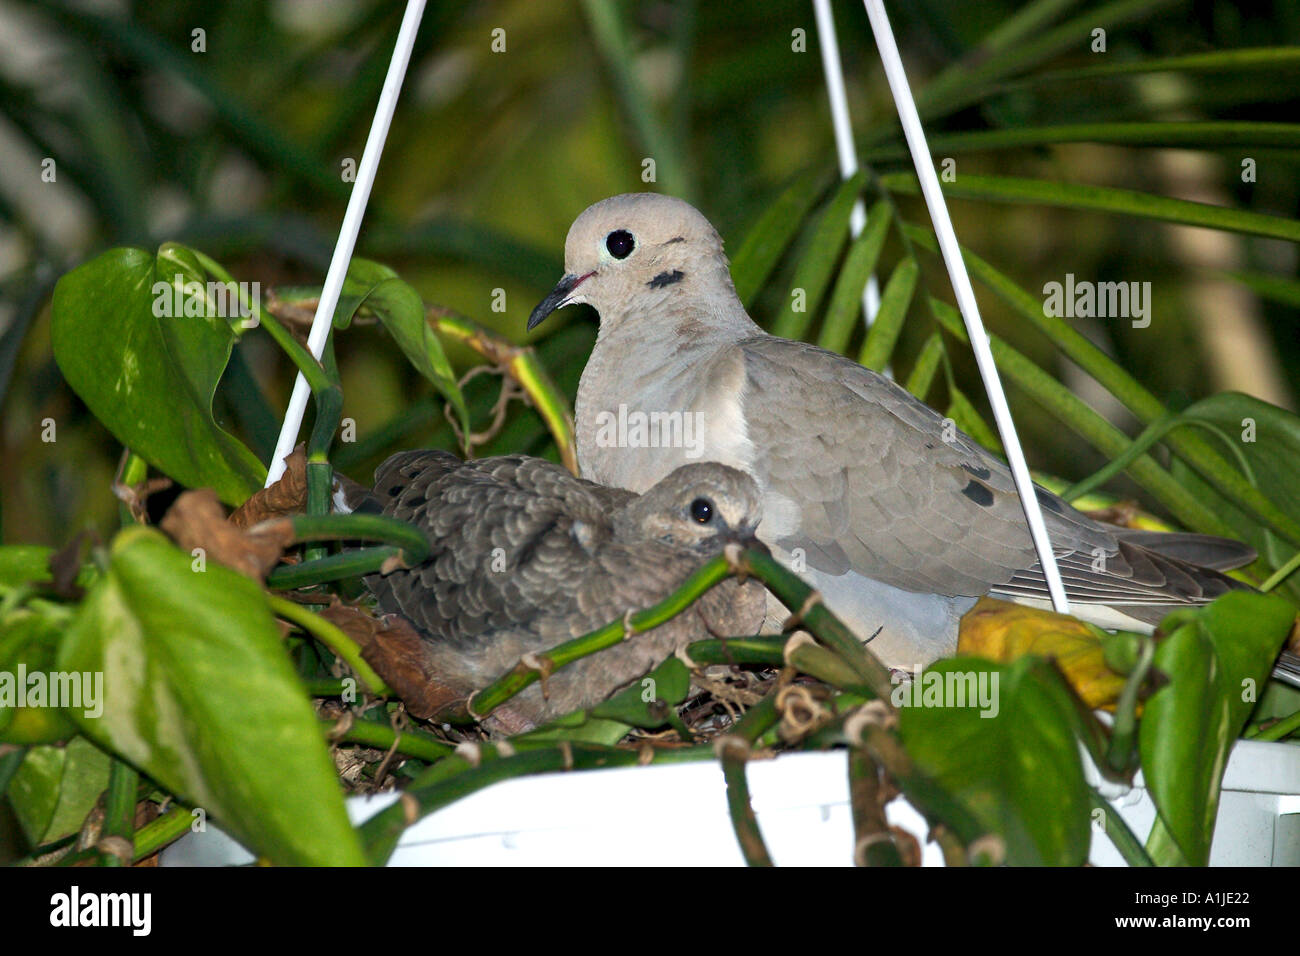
(29, 712)
(150, 379)
(970, 82)
(1261, 441)
(24, 563)
(1018, 770)
(377, 289)
(1272, 60)
(1129, 202)
(668, 683)
(817, 261)
(768, 238)
(1189, 445)
(200, 695)
(1217, 660)
(927, 363)
(1217, 134)
(894, 303)
(577, 726)
(1274, 288)
(846, 301)
(969, 420)
(56, 787)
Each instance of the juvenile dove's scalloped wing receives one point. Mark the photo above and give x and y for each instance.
(558, 574)
(876, 489)
(468, 510)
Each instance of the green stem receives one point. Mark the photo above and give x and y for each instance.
(155, 835)
(1283, 728)
(794, 593)
(336, 567)
(1129, 846)
(483, 702)
(119, 812)
(817, 618)
(1152, 434)
(408, 545)
(1122, 749)
(370, 734)
(521, 364)
(325, 389)
(734, 754)
(1282, 573)
(872, 845)
(333, 638)
(364, 527)
(738, 650)
(325, 686)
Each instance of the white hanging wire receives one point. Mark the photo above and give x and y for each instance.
(848, 156)
(961, 284)
(338, 268)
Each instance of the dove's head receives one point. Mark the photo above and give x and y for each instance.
(631, 251)
(702, 506)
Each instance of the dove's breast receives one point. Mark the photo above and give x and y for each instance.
(643, 411)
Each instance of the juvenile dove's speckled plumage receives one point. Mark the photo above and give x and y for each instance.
(902, 520)
(526, 556)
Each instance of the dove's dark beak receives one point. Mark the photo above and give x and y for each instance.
(558, 298)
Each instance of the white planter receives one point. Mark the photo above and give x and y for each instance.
(677, 815)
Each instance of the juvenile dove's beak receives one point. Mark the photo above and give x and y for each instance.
(746, 538)
(558, 298)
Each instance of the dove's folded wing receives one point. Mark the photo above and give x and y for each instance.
(885, 487)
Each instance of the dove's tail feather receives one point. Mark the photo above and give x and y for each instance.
(1201, 550)
(1287, 668)
(1139, 582)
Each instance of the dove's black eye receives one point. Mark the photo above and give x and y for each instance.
(702, 510)
(620, 243)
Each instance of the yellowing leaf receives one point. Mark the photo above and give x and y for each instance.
(1002, 631)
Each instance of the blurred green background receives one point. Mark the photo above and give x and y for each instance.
(239, 149)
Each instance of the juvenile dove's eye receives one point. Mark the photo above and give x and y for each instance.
(620, 243)
(702, 510)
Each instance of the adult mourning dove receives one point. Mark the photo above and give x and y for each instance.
(525, 556)
(900, 520)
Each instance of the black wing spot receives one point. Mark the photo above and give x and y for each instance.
(979, 472)
(980, 494)
(666, 279)
(1048, 501)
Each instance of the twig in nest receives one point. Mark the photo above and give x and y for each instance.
(135, 496)
(510, 389)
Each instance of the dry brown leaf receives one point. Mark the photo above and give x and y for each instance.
(197, 520)
(288, 496)
(395, 650)
(1002, 631)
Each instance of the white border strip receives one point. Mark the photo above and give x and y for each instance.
(961, 284)
(830, 49)
(329, 298)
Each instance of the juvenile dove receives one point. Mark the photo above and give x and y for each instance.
(900, 522)
(525, 556)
